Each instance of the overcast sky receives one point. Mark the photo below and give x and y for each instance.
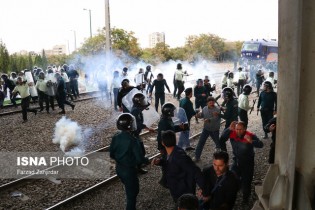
(37, 24)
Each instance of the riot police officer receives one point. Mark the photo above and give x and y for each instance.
(139, 104)
(126, 151)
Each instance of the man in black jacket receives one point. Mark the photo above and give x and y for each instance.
(181, 173)
(159, 84)
(221, 185)
(267, 104)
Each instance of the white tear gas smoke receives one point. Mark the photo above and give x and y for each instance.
(70, 136)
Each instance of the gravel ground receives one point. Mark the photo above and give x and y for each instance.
(153, 196)
(36, 136)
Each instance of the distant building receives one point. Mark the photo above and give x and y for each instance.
(56, 50)
(155, 38)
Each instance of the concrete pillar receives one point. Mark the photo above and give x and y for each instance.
(293, 182)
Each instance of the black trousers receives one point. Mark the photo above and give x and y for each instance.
(266, 115)
(175, 89)
(181, 88)
(74, 87)
(25, 104)
(115, 90)
(244, 169)
(42, 97)
(159, 97)
(240, 86)
(62, 100)
(129, 177)
(242, 114)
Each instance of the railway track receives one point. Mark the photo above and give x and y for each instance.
(23, 189)
(102, 183)
(12, 110)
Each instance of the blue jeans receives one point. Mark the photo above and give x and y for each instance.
(202, 140)
(183, 141)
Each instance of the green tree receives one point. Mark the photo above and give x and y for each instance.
(30, 61)
(207, 46)
(122, 41)
(44, 60)
(4, 58)
(57, 60)
(38, 61)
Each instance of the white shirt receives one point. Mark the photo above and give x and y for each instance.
(224, 80)
(41, 85)
(242, 76)
(23, 89)
(243, 102)
(65, 77)
(229, 83)
(116, 83)
(179, 74)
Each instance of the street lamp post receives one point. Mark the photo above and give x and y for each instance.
(90, 21)
(75, 40)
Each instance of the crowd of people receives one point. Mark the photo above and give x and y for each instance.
(217, 183)
(215, 186)
(42, 86)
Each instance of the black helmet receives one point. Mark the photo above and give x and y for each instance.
(168, 110)
(247, 89)
(148, 68)
(125, 69)
(126, 122)
(200, 81)
(268, 84)
(228, 92)
(240, 68)
(271, 74)
(231, 75)
(65, 67)
(179, 66)
(227, 73)
(139, 100)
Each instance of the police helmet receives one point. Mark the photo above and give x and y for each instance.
(231, 75)
(268, 84)
(199, 81)
(13, 75)
(65, 67)
(41, 75)
(271, 74)
(179, 66)
(247, 89)
(139, 100)
(228, 92)
(148, 68)
(126, 122)
(168, 110)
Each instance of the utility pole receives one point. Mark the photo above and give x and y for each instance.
(107, 27)
(75, 40)
(90, 21)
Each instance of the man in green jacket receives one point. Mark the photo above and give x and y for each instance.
(126, 151)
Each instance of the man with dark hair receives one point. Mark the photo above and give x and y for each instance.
(243, 143)
(212, 123)
(9, 84)
(187, 105)
(159, 84)
(230, 111)
(148, 77)
(181, 173)
(124, 90)
(221, 184)
(179, 79)
(267, 104)
(200, 95)
(188, 202)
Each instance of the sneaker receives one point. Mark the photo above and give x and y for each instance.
(72, 106)
(35, 112)
(24, 121)
(142, 171)
(62, 112)
(196, 160)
